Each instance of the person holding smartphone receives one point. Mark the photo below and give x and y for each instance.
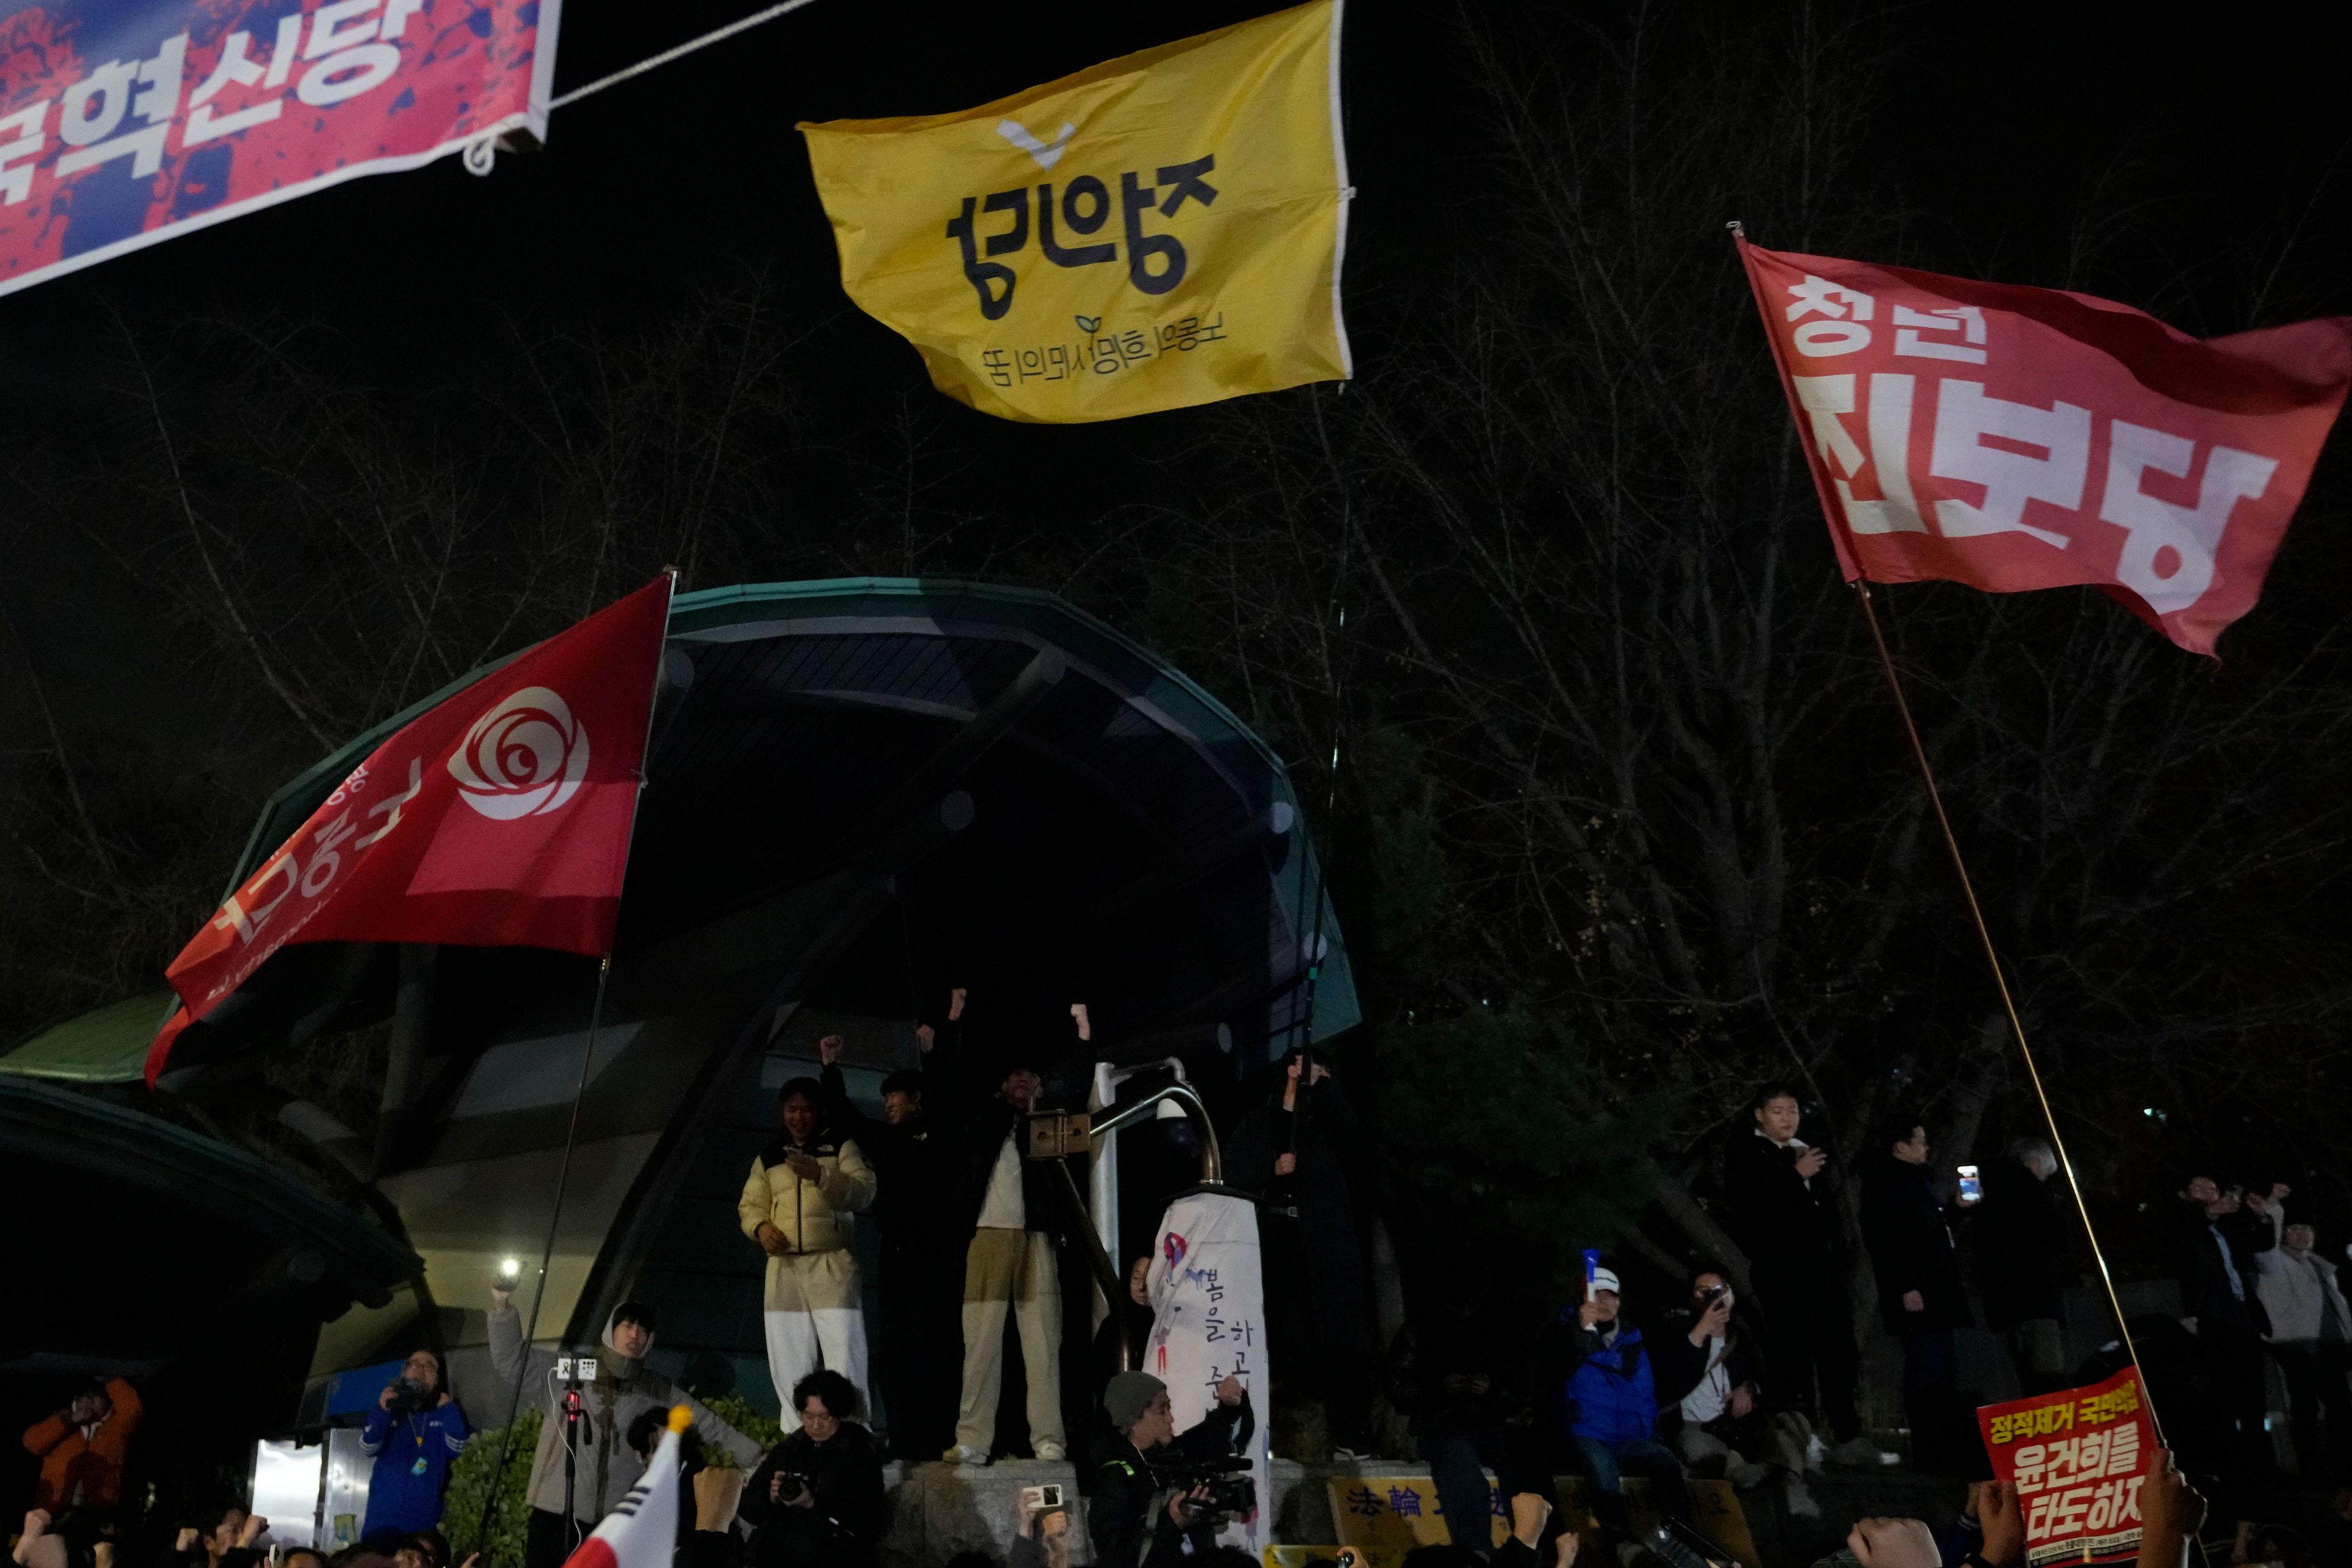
(1920, 1300)
(1042, 1527)
(2021, 1249)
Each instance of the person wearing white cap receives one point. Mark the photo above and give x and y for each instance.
(1608, 1409)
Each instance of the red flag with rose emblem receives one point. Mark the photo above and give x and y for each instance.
(500, 817)
(2010, 437)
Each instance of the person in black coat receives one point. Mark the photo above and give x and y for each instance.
(2214, 1243)
(918, 1278)
(1296, 1148)
(818, 1500)
(1919, 1296)
(1783, 1217)
(2020, 1258)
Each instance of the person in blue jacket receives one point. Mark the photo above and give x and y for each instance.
(414, 1432)
(1608, 1407)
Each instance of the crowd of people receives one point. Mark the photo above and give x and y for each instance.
(1747, 1376)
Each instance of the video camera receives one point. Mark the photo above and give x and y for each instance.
(1232, 1493)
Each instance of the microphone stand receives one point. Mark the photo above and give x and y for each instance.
(574, 1422)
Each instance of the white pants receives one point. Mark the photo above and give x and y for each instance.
(800, 1332)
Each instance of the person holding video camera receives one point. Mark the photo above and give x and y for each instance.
(414, 1432)
(818, 1500)
(1154, 1489)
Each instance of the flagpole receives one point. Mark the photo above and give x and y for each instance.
(571, 1130)
(2000, 983)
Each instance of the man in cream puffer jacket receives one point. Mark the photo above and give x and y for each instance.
(799, 1204)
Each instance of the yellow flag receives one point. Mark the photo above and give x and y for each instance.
(1159, 230)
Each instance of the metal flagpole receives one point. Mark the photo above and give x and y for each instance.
(2000, 982)
(572, 1137)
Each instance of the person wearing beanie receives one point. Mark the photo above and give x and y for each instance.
(625, 1388)
(1131, 1522)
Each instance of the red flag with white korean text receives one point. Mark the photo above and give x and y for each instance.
(2010, 437)
(500, 817)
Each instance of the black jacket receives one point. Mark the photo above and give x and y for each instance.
(1782, 1223)
(1679, 1364)
(1910, 1241)
(2205, 1293)
(981, 1120)
(1330, 1142)
(919, 1167)
(1463, 1349)
(845, 1473)
(2020, 1245)
(1127, 1518)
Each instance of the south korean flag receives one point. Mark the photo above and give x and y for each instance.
(643, 1531)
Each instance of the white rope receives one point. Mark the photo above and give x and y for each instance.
(704, 42)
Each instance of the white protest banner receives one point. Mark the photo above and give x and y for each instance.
(1208, 1295)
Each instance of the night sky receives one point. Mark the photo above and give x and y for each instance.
(693, 180)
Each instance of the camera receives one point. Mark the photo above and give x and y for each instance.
(1711, 1292)
(791, 1485)
(1231, 1493)
(408, 1396)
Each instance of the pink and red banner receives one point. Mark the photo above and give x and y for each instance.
(123, 122)
(498, 818)
(2012, 437)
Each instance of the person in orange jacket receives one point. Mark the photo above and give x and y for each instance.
(81, 1448)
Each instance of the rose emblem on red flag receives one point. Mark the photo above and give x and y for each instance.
(523, 758)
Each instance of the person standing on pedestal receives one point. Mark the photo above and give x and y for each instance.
(1784, 1220)
(1009, 1262)
(800, 1203)
(1295, 1150)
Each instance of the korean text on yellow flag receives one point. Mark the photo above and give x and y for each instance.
(1159, 230)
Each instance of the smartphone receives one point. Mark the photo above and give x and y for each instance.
(1036, 1500)
(1971, 1189)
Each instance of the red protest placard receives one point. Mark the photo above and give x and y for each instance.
(2077, 1457)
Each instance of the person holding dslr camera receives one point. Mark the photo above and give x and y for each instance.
(1154, 1489)
(818, 1500)
(414, 1432)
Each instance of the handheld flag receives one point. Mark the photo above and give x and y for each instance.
(123, 122)
(498, 817)
(1160, 230)
(643, 1531)
(2010, 437)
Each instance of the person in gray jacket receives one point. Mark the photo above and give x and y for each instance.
(606, 1467)
(2311, 1339)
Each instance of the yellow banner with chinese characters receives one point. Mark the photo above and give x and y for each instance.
(1159, 230)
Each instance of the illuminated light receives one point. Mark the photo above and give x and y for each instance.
(511, 1268)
